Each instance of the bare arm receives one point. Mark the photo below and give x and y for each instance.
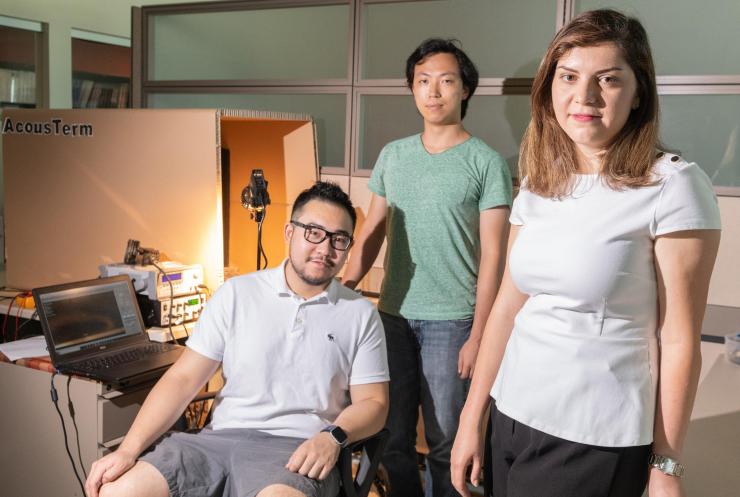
(493, 235)
(364, 417)
(367, 413)
(164, 404)
(467, 449)
(368, 242)
(684, 262)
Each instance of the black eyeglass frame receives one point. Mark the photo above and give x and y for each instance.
(327, 234)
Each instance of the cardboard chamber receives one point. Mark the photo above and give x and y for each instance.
(80, 183)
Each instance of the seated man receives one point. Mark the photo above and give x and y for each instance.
(305, 369)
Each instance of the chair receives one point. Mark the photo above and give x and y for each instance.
(352, 484)
(370, 449)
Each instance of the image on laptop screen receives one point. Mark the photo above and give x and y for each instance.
(89, 316)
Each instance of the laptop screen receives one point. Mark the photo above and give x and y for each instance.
(90, 315)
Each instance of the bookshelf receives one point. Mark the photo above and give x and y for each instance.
(101, 75)
(18, 48)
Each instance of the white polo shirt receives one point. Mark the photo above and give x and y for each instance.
(288, 362)
(582, 360)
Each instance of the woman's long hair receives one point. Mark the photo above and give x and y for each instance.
(548, 156)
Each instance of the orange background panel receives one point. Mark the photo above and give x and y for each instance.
(274, 147)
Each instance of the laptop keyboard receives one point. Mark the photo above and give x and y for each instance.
(123, 357)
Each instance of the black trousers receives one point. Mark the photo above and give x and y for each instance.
(529, 463)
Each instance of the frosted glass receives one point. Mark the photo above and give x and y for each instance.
(499, 120)
(506, 38)
(327, 110)
(687, 37)
(251, 44)
(705, 129)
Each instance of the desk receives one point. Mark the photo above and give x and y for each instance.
(33, 461)
(712, 450)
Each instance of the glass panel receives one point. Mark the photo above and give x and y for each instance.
(491, 33)
(251, 44)
(705, 129)
(499, 120)
(101, 75)
(384, 118)
(674, 28)
(17, 67)
(327, 110)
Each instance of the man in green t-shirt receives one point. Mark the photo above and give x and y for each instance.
(442, 199)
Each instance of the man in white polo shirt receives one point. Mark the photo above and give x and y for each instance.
(305, 369)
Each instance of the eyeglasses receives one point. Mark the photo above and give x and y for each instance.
(314, 234)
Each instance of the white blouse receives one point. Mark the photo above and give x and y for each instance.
(582, 360)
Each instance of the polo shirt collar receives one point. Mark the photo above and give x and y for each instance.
(331, 294)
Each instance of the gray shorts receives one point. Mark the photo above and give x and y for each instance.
(231, 463)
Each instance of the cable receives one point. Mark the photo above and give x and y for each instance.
(35, 313)
(260, 250)
(55, 401)
(18, 318)
(172, 300)
(71, 409)
(7, 313)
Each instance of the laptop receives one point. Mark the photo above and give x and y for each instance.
(94, 328)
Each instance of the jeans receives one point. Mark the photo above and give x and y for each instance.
(422, 358)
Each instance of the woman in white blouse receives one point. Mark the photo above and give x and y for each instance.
(592, 348)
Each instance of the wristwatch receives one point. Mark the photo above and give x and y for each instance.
(338, 435)
(666, 465)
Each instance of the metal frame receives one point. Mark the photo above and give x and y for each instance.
(354, 86)
(137, 47)
(18, 23)
(42, 67)
(82, 34)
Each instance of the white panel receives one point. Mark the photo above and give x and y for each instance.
(342, 181)
(724, 288)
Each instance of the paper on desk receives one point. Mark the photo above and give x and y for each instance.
(21, 349)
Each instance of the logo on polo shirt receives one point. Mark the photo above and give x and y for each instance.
(330, 336)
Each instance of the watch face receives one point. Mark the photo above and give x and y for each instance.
(339, 435)
(666, 465)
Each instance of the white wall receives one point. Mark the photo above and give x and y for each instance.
(725, 286)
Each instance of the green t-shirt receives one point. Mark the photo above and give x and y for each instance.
(433, 224)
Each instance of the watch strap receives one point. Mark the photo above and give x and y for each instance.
(666, 465)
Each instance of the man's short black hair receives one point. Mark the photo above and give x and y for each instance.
(432, 46)
(327, 192)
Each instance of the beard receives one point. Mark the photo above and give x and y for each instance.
(313, 280)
